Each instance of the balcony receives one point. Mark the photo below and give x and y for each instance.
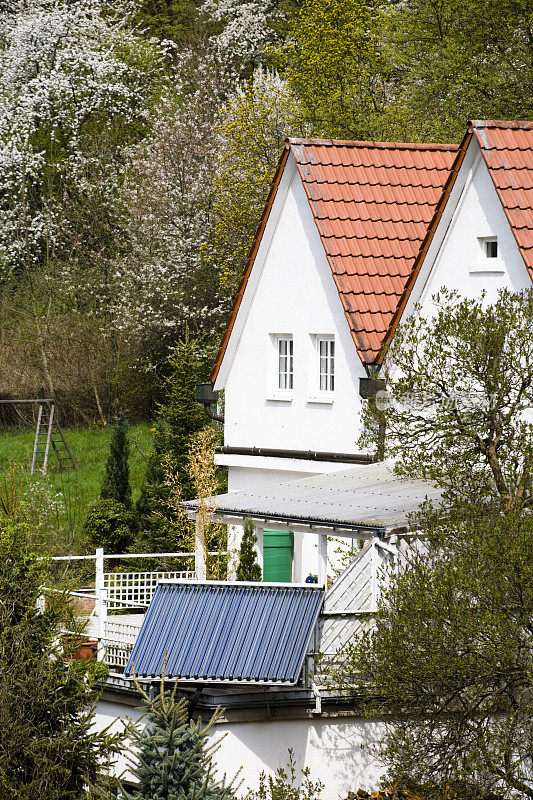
(114, 601)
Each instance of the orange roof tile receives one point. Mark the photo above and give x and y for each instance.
(507, 148)
(372, 203)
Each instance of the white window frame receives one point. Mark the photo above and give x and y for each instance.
(325, 346)
(486, 264)
(485, 242)
(285, 375)
(282, 375)
(322, 383)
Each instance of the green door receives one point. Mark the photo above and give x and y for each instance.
(277, 556)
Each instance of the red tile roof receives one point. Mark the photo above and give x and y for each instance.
(507, 148)
(372, 203)
(377, 206)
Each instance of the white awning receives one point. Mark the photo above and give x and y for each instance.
(362, 498)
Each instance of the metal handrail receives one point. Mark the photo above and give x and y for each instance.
(134, 555)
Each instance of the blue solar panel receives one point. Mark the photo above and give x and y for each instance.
(226, 632)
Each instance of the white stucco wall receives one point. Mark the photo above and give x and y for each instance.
(456, 259)
(338, 751)
(254, 477)
(294, 294)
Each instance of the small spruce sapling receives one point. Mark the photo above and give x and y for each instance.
(248, 569)
(172, 759)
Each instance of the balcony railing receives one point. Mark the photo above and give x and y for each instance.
(116, 605)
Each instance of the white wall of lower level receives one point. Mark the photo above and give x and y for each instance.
(339, 751)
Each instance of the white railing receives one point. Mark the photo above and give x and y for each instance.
(136, 589)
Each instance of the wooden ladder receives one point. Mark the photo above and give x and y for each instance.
(49, 433)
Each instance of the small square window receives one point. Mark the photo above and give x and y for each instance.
(285, 362)
(491, 248)
(326, 365)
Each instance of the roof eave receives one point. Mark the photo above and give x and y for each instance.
(424, 247)
(474, 126)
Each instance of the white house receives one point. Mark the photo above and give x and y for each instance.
(339, 235)
(352, 236)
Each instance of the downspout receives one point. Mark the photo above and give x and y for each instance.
(368, 389)
(207, 396)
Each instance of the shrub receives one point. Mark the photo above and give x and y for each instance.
(110, 525)
(286, 785)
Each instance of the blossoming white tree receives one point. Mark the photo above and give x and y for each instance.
(75, 86)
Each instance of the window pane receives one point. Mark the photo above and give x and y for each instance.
(290, 362)
(326, 358)
(285, 363)
(491, 249)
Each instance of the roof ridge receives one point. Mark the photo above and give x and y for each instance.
(292, 140)
(501, 123)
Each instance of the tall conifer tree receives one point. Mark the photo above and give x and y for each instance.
(248, 569)
(116, 483)
(179, 418)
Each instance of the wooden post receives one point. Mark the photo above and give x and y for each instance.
(199, 548)
(36, 444)
(374, 555)
(297, 555)
(102, 619)
(99, 577)
(322, 558)
(48, 437)
(101, 602)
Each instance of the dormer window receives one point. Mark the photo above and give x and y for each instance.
(491, 248)
(285, 362)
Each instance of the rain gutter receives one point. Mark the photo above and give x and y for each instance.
(303, 455)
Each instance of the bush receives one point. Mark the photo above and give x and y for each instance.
(110, 525)
(287, 784)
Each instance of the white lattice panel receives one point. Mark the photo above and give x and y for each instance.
(136, 589)
(117, 655)
(118, 641)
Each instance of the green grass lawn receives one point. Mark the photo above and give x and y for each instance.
(74, 489)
